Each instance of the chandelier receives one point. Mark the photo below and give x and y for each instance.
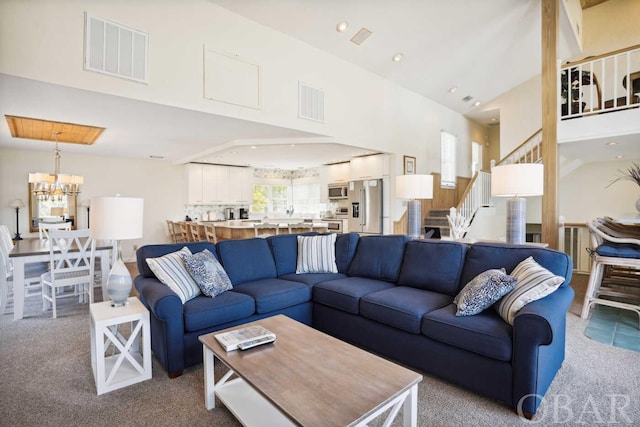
(53, 187)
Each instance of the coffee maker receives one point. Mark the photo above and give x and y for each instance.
(228, 213)
(244, 213)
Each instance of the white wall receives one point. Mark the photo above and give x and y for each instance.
(610, 26)
(160, 183)
(362, 109)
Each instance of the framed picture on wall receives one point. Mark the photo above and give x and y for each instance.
(409, 165)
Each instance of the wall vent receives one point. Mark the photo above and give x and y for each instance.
(114, 49)
(310, 102)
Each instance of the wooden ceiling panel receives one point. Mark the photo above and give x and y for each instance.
(47, 130)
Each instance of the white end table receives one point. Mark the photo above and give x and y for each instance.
(131, 363)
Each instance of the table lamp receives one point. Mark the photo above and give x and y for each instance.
(415, 188)
(17, 204)
(117, 218)
(517, 181)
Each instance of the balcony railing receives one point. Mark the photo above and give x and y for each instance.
(600, 84)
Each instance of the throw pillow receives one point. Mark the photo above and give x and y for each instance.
(482, 291)
(169, 269)
(317, 254)
(534, 282)
(207, 272)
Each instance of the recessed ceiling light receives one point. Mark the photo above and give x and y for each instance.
(612, 143)
(475, 104)
(494, 119)
(234, 152)
(293, 145)
(397, 57)
(453, 89)
(342, 27)
(253, 147)
(619, 156)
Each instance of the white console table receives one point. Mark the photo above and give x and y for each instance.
(130, 362)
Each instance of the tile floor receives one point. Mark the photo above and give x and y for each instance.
(614, 326)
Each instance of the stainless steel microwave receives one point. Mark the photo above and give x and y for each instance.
(338, 191)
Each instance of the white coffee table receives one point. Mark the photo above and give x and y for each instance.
(131, 363)
(307, 378)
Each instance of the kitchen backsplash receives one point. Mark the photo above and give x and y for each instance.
(211, 212)
(286, 174)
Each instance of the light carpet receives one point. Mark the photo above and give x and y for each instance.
(46, 379)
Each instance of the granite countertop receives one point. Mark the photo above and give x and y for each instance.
(248, 223)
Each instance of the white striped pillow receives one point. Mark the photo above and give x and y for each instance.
(170, 270)
(317, 254)
(534, 282)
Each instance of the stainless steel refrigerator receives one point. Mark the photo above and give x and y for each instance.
(365, 199)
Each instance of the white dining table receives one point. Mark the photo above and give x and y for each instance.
(34, 250)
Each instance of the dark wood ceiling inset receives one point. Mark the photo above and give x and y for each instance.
(47, 130)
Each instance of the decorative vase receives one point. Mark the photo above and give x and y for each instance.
(119, 282)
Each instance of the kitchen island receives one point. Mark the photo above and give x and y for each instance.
(244, 228)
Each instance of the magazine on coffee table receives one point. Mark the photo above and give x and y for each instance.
(245, 337)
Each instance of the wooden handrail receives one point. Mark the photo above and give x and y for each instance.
(520, 146)
(466, 191)
(594, 58)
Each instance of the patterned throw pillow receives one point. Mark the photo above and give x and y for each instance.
(207, 272)
(534, 282)
(317, 254)
(485, 289)
(169, 269)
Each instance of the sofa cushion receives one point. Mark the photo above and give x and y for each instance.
(345, 294)
(155, 251)
(378, 257)
(485, 333)
(311, 279)
(433, 265)
(170, 270)
(317, 254)
(534, 282)
(275, 294)
(346, 244)
(203, 312)
(481, 292)
(402, 307)
(484, 256)
(246, 260)
(207, 272)
(284, 248)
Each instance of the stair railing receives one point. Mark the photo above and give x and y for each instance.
(530, 151)
(476, 195)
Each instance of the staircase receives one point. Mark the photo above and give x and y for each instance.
(437, 218)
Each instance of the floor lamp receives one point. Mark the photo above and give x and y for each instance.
(117, 218)
(414, 188)
(17, 204)
(517, 181)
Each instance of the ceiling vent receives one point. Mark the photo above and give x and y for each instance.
(114, 49)
(361, 36)
(467, 98)
(310, 102)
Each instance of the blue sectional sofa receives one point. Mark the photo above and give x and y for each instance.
(391, 295)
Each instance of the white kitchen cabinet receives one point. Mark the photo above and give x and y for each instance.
(323, 181)
(338, 173)
(369, 167)
(193, 174)
(217, 184)
(240, 185)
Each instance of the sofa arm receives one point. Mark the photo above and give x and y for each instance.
(167, 323)
(538, 347)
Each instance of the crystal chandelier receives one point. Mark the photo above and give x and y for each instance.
(55, 186)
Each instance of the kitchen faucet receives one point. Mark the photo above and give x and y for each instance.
(290, 210)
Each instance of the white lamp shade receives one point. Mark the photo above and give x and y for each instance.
(519, 179)
(17, 203)
(414, 186)
(116, 218)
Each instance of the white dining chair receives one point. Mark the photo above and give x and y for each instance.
(31, 275)
(72, 266)
(265, 230)
(44, 227)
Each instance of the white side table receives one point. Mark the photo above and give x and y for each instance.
(131, 363)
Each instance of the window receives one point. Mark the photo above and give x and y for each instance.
(447, 160)
(476, 157)
(270, 198)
